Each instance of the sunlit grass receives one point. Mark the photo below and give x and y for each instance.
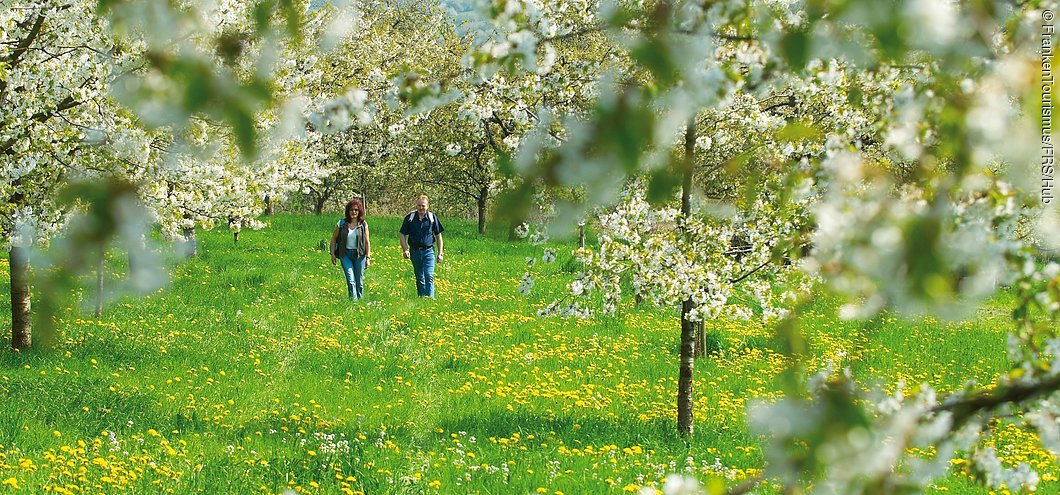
(252, 373)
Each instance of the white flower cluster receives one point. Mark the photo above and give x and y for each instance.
(522, 230)
(332, 444)
(49, 98)
(522, 28)
(890, 246)
(343, 112)
(860, 446)
(895, 131)
(724, 265)
(676, 484)
(526, 284)
(999, 477)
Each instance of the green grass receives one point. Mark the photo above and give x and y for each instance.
(251, 368)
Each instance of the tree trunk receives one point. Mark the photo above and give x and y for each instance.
(701, 340)
(235, 233)
(318, 208)
(99, 281)
(482, 211)
(268, 205)
(688, 328)
(686, 209)
(685, 399)
(581, 236)
(21, 326)
(191, 243)
(689, 167)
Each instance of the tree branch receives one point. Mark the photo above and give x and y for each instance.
(42, 117)
(16, 55)
(438, 182)
(779, 101)
(963, 409)
(24, 44)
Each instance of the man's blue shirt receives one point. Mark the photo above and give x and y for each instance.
(421, 232)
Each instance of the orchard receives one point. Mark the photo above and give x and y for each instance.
(721, 247)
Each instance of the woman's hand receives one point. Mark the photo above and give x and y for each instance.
(367, 261)
(333, 259)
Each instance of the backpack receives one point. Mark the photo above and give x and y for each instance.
(412, 216)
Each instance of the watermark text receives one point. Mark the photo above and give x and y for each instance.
(1048, 151)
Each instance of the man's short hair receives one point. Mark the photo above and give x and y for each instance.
(422, 196)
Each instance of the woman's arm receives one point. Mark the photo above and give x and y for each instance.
(367, 246)
(367, 241)
(334, 241)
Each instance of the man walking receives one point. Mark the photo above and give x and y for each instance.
(424, 234)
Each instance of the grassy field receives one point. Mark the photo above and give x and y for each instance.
(252, 373)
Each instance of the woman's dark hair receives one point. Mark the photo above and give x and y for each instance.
(360, 211)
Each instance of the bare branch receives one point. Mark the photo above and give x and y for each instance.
(965, 408)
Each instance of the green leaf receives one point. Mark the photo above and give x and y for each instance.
(926, 267)
(258, 90)
(795, 46)
(230, 45)
(855, 97)
(889, 39)
(293, 17)
(261, 13)
(620, 17)
(242, 122)
(798, 131)
(515, 204)
(103, 6)
(844, 408)
(505, 165)
(662, 185)
(654, 55)
(754, 183)
(198, 87)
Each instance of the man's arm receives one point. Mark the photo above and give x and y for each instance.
(402, 232)
(438, 241)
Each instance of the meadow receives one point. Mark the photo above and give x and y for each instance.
(251, 373)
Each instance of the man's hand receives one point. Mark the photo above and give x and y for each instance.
(333, 260)
(367, 262)
(406, 254)
(439, 256)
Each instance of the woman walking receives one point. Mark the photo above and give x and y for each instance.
(352, 247)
